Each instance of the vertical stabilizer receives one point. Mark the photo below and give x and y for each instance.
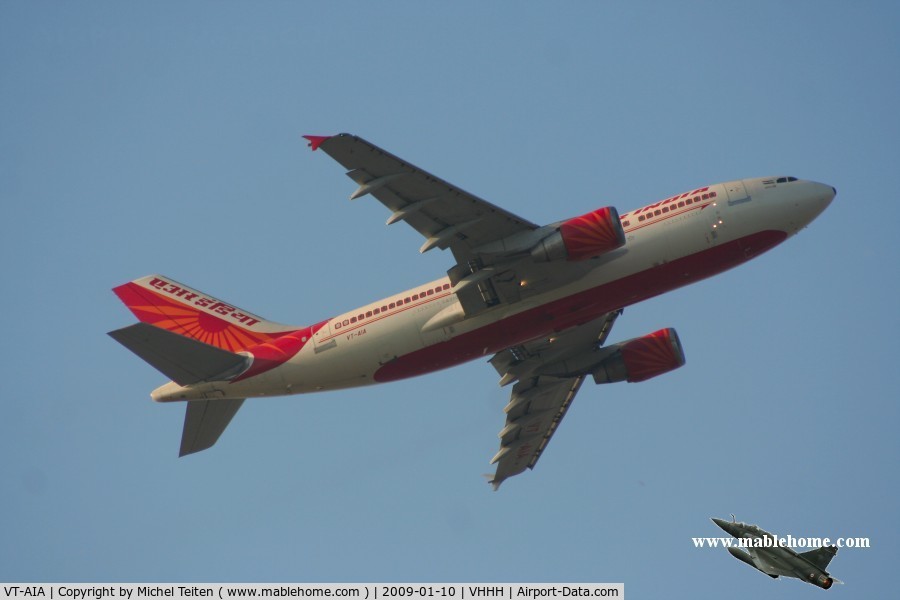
(163, 302)
(820, 557)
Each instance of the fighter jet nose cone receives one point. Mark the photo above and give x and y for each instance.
(726, 526)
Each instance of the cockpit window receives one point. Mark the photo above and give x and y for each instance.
(781, 180)
(792, 179)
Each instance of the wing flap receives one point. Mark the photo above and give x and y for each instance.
(183, 360)
(204, 422)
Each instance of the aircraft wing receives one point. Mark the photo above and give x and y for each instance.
(543, 393)
(490, 268)
(446, 216)
(767, 561)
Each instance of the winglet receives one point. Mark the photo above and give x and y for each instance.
(316, 140)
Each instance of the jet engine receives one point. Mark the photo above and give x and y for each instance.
(823, 581)
(642, 358)
(584, 237)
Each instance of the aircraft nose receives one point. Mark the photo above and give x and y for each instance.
(813, 198)
(726, 526)
(827, 196)
(824, 193)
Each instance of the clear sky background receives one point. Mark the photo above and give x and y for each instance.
(138, 138)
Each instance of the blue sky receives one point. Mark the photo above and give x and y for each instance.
(165, 137)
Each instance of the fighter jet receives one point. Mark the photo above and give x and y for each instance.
(765, 553)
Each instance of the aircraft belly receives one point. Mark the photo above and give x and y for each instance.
(493, 334)
(395, 349)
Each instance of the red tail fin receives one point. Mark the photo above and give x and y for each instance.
(167, 304)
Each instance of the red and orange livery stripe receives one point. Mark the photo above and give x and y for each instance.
(152, 307)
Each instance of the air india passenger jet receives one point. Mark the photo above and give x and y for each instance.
(539, 300)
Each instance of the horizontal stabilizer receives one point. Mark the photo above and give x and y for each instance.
(181, 359)
(204, 422)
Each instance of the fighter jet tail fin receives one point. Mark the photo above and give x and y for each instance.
(820, 557)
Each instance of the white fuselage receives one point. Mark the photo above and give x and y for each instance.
(387, 340)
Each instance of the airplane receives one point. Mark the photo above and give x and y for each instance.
(538, 300)
(776, 560)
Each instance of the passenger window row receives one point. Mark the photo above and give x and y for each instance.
(391, 306)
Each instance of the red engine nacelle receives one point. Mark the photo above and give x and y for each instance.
(584, 237)
(642, 358)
